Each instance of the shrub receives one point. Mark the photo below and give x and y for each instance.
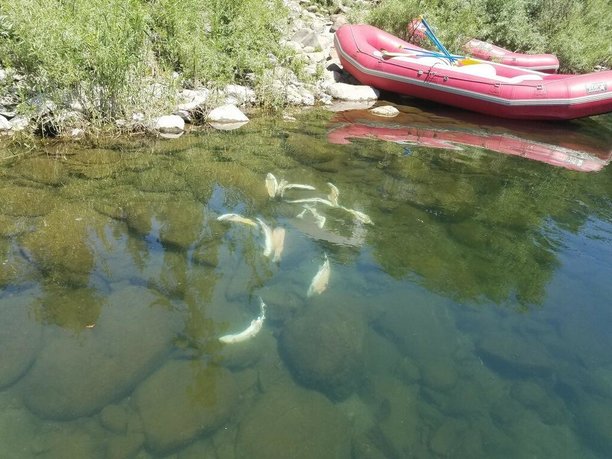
(117, 56)
(577, 32)
(218, 41)
(90, 50)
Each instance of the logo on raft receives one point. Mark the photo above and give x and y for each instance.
(596, 87)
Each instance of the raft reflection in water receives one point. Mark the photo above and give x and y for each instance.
(566, 145)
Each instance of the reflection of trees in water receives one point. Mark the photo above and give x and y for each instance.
(68, 307)
(470, 223)
(474, 226)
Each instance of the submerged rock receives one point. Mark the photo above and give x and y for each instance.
(15, 269)
(178, 223)
(387, 111)
(395, 408)
(77, 375)
(455, 437)
(290, 422)
(182, 401)
(551, 409)
(20, 338)
(42, 169)
(509, 352)
(20, 201)
(595, 423)
(324, 349)
(61, 245)
(439, 374)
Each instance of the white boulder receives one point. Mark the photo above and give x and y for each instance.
(352, 93)
(228, 113)
(169, 126)
(387, 111)
(5, 125)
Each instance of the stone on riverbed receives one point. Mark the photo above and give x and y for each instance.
(324, 349)
(77, 375)
(42, 169)
(20, 338)
(290, 422)
(180, 222)
(61, 245)
(182, 401)
(18, 201)
(504, 351)
(387, 111)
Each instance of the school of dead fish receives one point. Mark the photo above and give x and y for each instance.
(274, 241)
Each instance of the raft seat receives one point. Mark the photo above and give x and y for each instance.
(489, 71)
(483, 70)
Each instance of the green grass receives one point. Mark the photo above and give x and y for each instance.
(107, 54)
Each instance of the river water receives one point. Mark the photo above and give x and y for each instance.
(469, 319)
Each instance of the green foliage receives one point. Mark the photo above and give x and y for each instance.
(90, 50)
(114, 56)
(217, 41)
(577, 32)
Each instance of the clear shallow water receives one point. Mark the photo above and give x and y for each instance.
(471, 320)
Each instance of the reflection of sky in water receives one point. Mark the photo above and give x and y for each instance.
(471, 320)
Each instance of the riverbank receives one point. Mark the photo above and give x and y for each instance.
(168, 70)
(312, 77)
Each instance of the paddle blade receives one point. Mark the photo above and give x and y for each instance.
(468, 61)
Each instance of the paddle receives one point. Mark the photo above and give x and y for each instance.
(445, 54)
(432, 36)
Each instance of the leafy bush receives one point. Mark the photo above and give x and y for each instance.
(90, 50)
(114, 56)
(217, 41)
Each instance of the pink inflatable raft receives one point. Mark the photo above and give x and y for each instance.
(548, 63)
(379, 59)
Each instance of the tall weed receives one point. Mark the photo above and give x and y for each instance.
(88, 50)
(116, 56)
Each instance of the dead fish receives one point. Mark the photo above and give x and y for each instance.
(271, 185)
(320, 219)
(278, 243)
(333, 194)
(320, 200)
(289, 186)
(249, 332)
(277, 189)
(268, 244)
(359, 216)
(236, 218)
(321, 279)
